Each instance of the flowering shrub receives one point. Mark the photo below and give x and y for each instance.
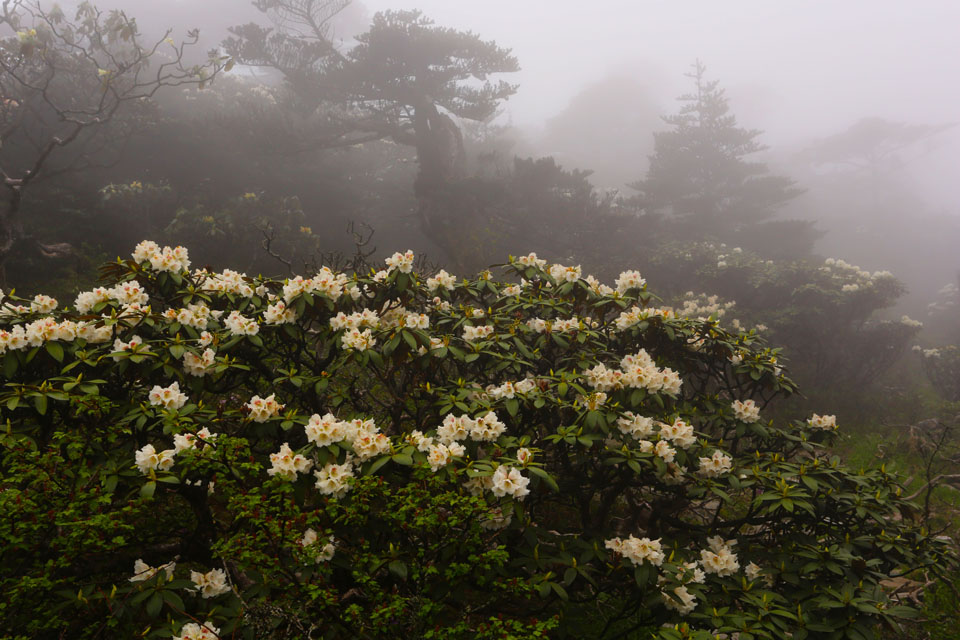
(198, 455)
(822, 313)
(942, 368)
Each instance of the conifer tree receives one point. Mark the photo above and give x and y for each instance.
(700, 172)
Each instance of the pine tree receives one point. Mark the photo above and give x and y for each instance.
(699, 172)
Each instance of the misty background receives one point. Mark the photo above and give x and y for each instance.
(596, 78)
(846, 112)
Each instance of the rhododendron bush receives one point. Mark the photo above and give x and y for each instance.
(192, 454)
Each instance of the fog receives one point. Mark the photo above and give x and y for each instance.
(848, 108)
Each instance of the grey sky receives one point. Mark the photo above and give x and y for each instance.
(805, 65)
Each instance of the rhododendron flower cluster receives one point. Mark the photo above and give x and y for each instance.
(142, 571)
(210, 584)
(822, 422)
(637, 371)
(472, 333)
(629, 280)
(746, 411)
(402, 262)
(199, 365)
(716, 465)
(169, 397)
(323, 552)
(287, 464)
(162, 259)
(199, 441)
(441, 280)
(333, 479)
(240, 325)
(719, 558)
(148, 459)
(196, 631)
(263, 409)
(508, 481)
(638, 550)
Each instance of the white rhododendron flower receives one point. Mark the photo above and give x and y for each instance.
(135, 345)
(752, 571)
(240, 325)
(168, 397)
(438, 456)
(148, 459)
(402, 262)
(210, 584)
(524, 456)
(162, 259)
(194, 631)
(639, 427)
(455, 428)
(130, 292)
(43, 304)
(487, 427)
(531, 260)
(324, 431)
(286, 464)
(324, 553)
(358, 340)
(142, 571)
(477, 333)
(201, 365)
(716, 465)
(144, 250)
(366, 439)
(200, 441)
(638, 550)
(629, 280)
(333, 479)
(822, 422)
(719, 558)
(664, 451)
(747, 411)
(279, 313)
(441, 280)
(508, 481)
(679, 433)
(680, 600)
(561, 273)
(263, 409)
(309, 537)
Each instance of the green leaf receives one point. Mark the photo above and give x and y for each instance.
(148, 489)
(10, 364)
(154, 604)
(171, 598)
(379, 462)
(40, 403)
(398, 568)
(540, 473)
(55, 349)
(402, 458)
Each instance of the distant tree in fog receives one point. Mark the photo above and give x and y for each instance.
(405, 79)
(872, 145)
(699, 171)
(71, 91)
